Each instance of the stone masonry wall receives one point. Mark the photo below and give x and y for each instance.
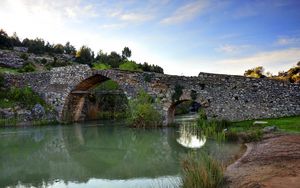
(223, 96)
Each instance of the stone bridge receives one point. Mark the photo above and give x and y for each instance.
(222, 96)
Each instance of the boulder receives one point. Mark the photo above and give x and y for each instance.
(269, 129)
(24, 115)
(7, 113)
(38, 111)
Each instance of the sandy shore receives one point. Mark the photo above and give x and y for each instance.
(273, 162)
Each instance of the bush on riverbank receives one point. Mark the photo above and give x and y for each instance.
(21, 106)
(203, 171)
(142, 113)
(23, 97)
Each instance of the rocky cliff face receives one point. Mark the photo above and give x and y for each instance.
(17, 58)
(11, 59)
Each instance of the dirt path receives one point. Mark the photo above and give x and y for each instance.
(273, 162)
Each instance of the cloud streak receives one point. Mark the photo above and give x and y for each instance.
(185, 13)
(285, 41)
(231, 49)
(135, 17)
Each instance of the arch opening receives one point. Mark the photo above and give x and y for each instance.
(183, 107)
(92, 99)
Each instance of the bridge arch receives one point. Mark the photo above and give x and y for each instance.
(172, 107)
(76, 98)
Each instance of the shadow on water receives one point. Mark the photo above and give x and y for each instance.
(105, 154)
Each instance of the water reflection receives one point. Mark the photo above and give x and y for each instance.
(93, 155)
(190, 137)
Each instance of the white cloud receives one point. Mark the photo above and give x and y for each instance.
(51, 22)
(185, 13)
(113, 26)
(135, 17)
(231, 49)
(284, 41)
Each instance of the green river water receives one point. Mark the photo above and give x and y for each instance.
(100, 154)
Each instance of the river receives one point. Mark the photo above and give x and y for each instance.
(100, 154)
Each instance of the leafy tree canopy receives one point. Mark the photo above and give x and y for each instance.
(85, 55)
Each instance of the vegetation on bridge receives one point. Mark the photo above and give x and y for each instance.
(292, 75)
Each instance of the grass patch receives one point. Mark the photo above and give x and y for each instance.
(101, 66)
(286, 124)
(8, 122)
(203, 171)
(8, 70)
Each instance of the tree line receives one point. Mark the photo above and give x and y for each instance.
(83, 56)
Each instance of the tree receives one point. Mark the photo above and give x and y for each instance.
(5, 41)
(178, 92)
(48, 47)
(126, 53)
(298, 64)
(145, 67)
(15, 41)
(114, 60)
(151, 68)
(85, 55)
(36, 46)
(59, 49)
(257, 72)
(69, 49)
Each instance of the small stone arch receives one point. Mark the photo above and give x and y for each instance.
(172, 107)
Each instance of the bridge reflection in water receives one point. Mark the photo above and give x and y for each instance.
(98, 154)
(190, 137)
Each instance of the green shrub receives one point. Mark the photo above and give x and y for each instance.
(28, 67)
(24, 56)
(194, 95)
(130, 66)
(178, 92)
(44, 61)
(101, 66)
(203, 171)
(201, 115)
(24, 97)
(56, 63)
(212, 128)
(232, 136)
(252, 136)
(142, 113)
(110, 115)
(147, 77)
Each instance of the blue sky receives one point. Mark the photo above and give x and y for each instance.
(184, 37)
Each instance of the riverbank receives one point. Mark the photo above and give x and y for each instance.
(272, 162)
